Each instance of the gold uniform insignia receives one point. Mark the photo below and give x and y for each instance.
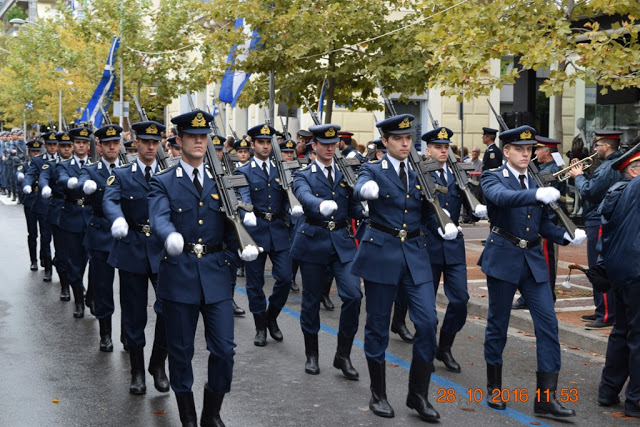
(525, 135)
(216, 141)
(404, 123)
(151, 130)
(243, 143)
(330, 133)
(289, 144)
(265, 130)
(443, 134)
(45, 167)
(111, 179)
(66, 137)
(36, 144)
(84, 132)
(215, 197)
(52, 137)
(111, 131)
(20, 167)
(198, 121)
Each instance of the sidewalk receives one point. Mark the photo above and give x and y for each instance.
(571, 304)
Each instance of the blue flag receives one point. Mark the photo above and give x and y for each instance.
(104, 91)
(234, 80)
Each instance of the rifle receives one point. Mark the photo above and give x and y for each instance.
(541, 182)
(285, 128)
(459, 173)
(428, 186)
(227, 185)
(161, 156)
(122, 155)
(52, 126)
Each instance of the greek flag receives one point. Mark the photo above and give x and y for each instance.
(234, 80)
(104, 91)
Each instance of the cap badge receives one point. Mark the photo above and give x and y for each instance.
(84, 132)
(404, 124)
(289, 144)
(443, 134)
(525, 135)
(265, 130)
(151, 130)
(111, 131)
(66, 137)
(216, 141)
(36, 144)
(198, 121)
(329, 133)
(243, 143)
(52, 137)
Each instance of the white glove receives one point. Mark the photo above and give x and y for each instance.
(450, 232)
(580, 236)
(481, 211)
(26, 189)
(20, 176)
(365, 209)
(327, 207)
(72, 183)
(174, 244)
(370, 190)
(296, 211)
(250, 219)
(547, 195)
(89, 187)
(46, 192)
(119, 228)
(249, 253)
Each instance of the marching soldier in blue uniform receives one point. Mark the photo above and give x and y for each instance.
(493, 156)
(346, 145)
(448, 256)
(41, 205)
(513, 259)
(267, 225)
(3, 142)
(34, 148)
(592, 190)
(136, 252)
(194, 276)
(323, 245)
(99, 242)
(544, 148)
(620, 244)
(53, 191)
(396, 213)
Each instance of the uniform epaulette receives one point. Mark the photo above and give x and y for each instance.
(303, 167)
(126, 165)
(67, 160)
(162, 172)
(375, 161)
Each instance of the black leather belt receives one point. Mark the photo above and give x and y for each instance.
(395, 232)
(140, 228)
(57, 196)
(521, 243)
(329, 225)
(268, 215)
(200, 249)
(79, 202)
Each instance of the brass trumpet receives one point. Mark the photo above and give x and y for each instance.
(563, 175)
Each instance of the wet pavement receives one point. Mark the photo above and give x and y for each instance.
(53, 374)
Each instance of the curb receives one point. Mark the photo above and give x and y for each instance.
(570, 335)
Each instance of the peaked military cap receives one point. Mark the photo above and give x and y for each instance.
(261, 131)
(49, 137)
(523, 135)
(173, 141)
(63, 138)
(34, 144)
(194, 122)
(108, 133)
(148, 130)
(489, 131)
(305, 134)
(326, 134)
(441, 135)
(288, 145)
(627, 158)
(379, 145)
(130, 145)
(543, 141)
(607, 134)
(397, 125)
(218, 141)
(83, 134)
(345, 135)
(241, 144)
(308, 148)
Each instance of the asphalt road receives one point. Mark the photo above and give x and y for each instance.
(52, 374)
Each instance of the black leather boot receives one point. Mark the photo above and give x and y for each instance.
(398, 325)
(342, 359)
(88, 299)
(326, 299)
(294, 286)
(418, 399)
(78, 298)
(64, 288)
(158, 358)
(547, 382)
(48, 270)
(444, 352)
(211, 408)
(260, 320)
(136, 358)
(378, 402)
(494, 382)
(106, 344)
(187, 409)
(123, 337)
(237, 311)
(311, 351)
(272, 323)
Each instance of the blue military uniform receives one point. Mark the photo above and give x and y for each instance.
(620, 233)
(322, 243)
(271, 233)
(493, 155)
(518, 220)
(294, 221)
(394, 234)
(28, 202)
(197, 280)
(350, 151)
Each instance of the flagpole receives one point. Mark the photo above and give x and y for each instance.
(121, 93)
(272, 96)
(59, 109)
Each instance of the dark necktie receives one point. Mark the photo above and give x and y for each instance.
(265, 170)
(81, 163)
(111, 167)
(522, 184)
(329, 176)
(403, 176)
(147, 173)
(443, 177)
(196, 181)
